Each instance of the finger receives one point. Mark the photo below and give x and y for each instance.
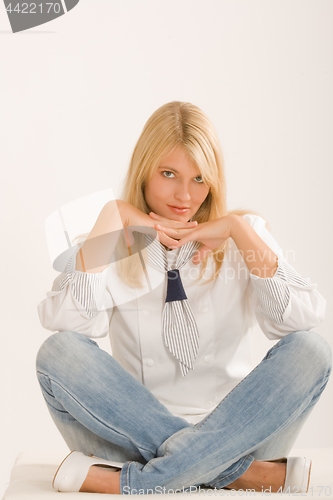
(175, 223)
(172, 232)
(166, 240)
(185, 239)
(171, 222)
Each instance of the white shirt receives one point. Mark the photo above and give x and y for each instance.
(225, 311)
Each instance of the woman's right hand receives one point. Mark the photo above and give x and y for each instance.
(131, 216)
(96, 251)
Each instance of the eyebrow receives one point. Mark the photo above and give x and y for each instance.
(170, 168)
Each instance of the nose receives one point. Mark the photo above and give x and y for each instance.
(182, 193)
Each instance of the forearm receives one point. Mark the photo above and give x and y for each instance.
(96, 252)
(258, 257)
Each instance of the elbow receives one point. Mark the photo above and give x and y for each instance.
(305, 314)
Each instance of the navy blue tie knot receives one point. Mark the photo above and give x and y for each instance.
(175, 290)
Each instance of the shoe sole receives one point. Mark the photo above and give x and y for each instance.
(310, 467)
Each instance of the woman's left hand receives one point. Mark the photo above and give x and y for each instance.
(211, 234)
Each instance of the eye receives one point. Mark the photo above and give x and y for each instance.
(168, 174)
(199, 179)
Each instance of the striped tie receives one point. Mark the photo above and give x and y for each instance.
(179, 329)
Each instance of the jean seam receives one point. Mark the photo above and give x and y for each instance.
(167, 450)
(232, 473)
(127, 473)
(201, 424)
(55, 409)
(91, 414)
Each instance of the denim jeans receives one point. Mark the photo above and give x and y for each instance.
(101, 409)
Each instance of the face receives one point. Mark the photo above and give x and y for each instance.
(176, 190)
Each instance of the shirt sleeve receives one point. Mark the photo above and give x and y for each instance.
(79, 302)
(287, 301)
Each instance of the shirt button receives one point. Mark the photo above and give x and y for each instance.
(150, 362)
(207, 359)
(209, 404)
(204, 309)
(145, 312)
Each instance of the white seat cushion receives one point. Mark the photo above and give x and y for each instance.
(32, 475)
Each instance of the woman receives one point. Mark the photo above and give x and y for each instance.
(178, 404)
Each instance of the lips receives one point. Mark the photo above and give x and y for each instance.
(179, 210)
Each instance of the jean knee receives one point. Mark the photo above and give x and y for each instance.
(54, 348)
(313, 351)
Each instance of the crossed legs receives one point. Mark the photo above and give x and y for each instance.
(101, 409)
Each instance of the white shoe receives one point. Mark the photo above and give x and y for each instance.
(74, 469)
(297, 474)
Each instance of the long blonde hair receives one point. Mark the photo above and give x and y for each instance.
(178, 124)
(181, 124)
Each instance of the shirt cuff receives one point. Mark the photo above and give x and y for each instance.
(87, 288)
(272, 295)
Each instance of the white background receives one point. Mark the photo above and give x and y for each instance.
(74, 96)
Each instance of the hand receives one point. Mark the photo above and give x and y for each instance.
(132, 216)
(211, 234)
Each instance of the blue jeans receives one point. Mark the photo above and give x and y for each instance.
(101, 409)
